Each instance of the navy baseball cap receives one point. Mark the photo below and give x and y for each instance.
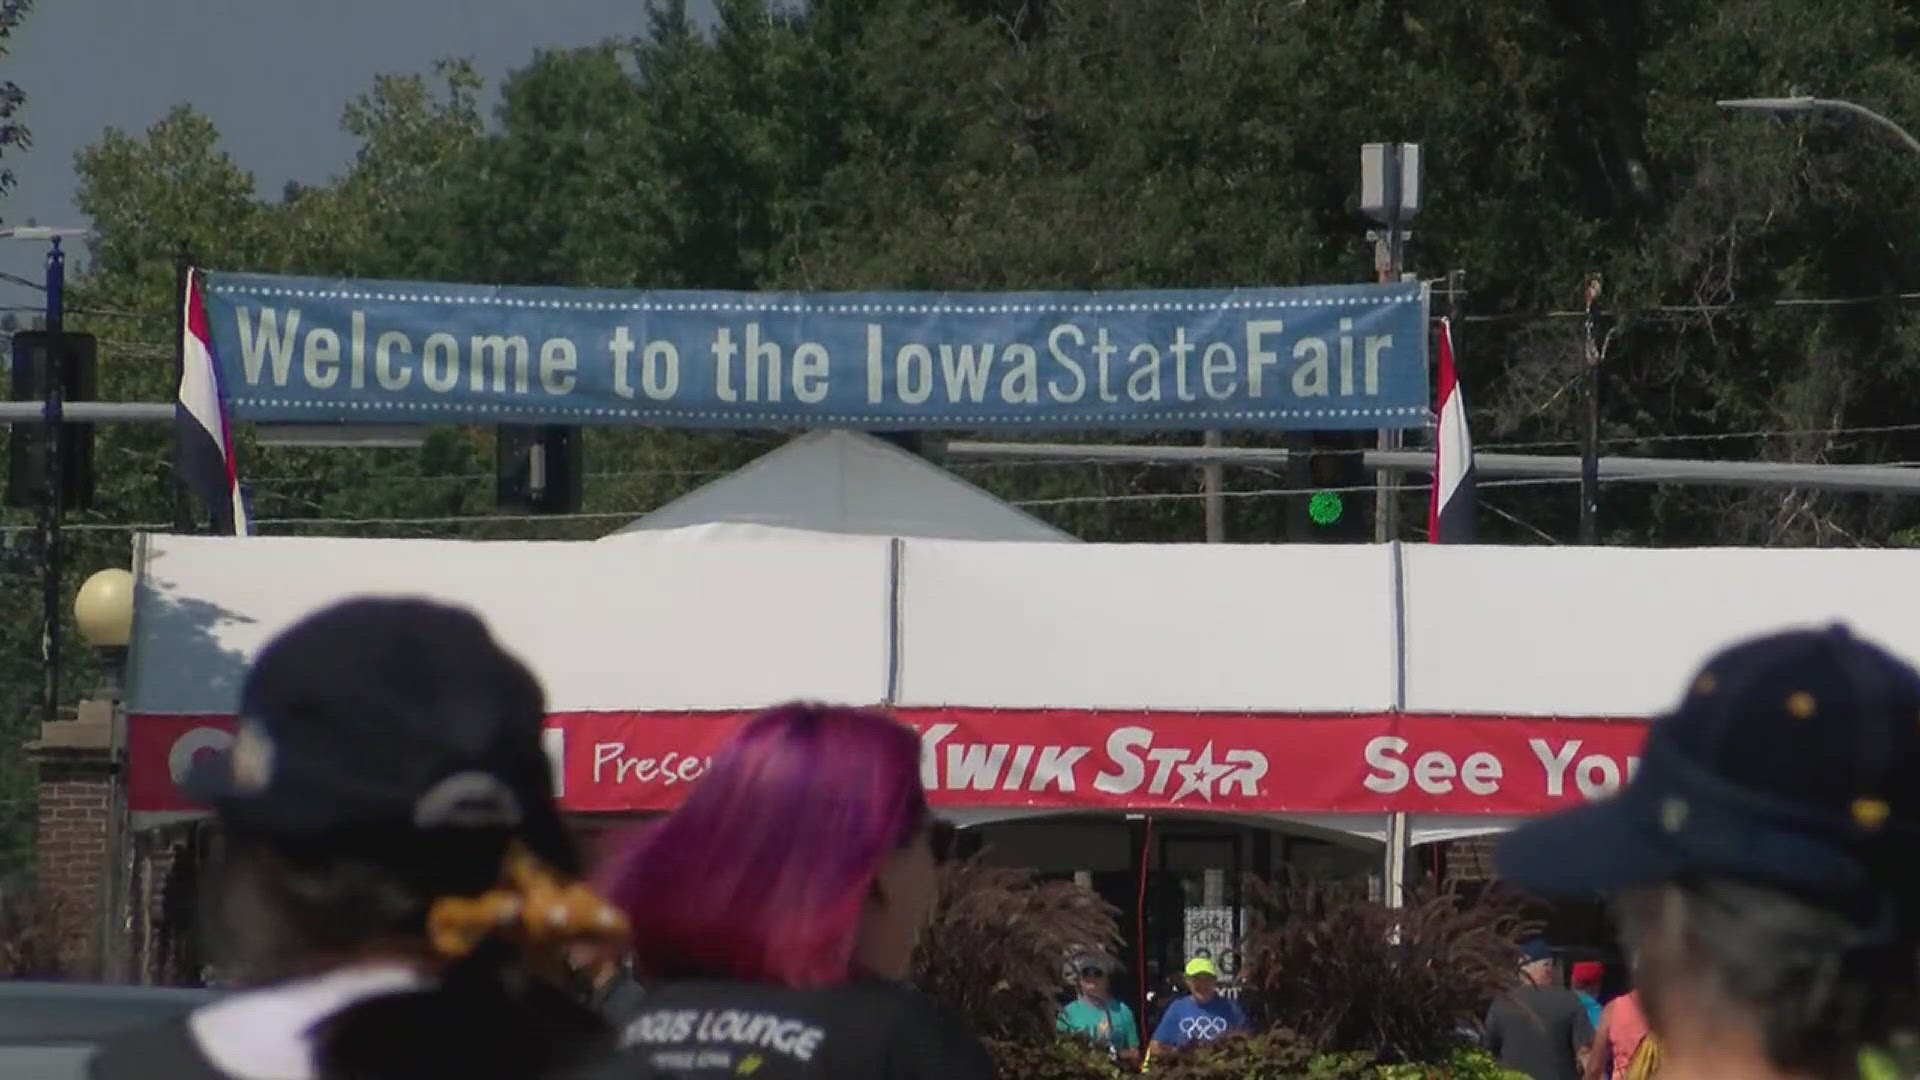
(383, 719)
(1789, 763)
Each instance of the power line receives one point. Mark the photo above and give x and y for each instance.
(1718, 436)
(472, 478)
(448, 519)
(629, 515)
(1853, 478)
(1527, 525)
(109, 313)
(1150, 496)
(1806, 302)
(1535, 444)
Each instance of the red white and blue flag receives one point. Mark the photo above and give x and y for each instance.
(1450, 513)
(203, 439)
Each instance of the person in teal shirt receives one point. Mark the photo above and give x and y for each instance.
(1097, 1017)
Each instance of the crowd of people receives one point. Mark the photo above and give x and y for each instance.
(399, 885)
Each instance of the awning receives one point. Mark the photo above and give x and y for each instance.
(1464, 685)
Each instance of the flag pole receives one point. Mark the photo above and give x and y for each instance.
(182, 282)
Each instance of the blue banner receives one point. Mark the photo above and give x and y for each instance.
(299, 350)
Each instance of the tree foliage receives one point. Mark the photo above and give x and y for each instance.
(14, 134)
(987, 144)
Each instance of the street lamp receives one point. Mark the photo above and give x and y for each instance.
(1813, 104)
(103, 612)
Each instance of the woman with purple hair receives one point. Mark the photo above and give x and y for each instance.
(775, 912)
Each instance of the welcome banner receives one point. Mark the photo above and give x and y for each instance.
(302, 350)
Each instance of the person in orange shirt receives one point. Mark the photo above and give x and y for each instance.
(1622, 1025)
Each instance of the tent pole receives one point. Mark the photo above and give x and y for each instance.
(1395, 865)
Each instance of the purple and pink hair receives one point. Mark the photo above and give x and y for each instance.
(763, 872)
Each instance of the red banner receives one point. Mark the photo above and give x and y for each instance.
(1078, 759)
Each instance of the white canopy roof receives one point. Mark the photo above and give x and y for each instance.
(670, 620)
(849, 482)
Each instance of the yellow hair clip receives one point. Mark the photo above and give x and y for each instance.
(533, 908)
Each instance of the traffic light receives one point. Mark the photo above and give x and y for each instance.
(539, 469)
(1334, 504)
(36, 354)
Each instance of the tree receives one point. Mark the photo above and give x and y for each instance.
(13, 133)
(1087, 144)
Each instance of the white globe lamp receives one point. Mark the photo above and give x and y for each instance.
(103, 609)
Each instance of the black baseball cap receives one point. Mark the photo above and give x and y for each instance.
(1093, 964)
(1535, 950)
(387, 718)
(1789, 763)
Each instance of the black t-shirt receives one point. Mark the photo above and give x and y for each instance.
(1539, 1031)
(704, 1030)
(619, 1000)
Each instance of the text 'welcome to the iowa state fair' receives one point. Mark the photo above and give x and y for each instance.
(293, 350)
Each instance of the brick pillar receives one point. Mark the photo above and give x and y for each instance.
(77, 797)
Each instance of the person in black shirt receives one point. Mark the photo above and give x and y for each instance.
(1765, 860)
(776, 912)
(397, 873)
(1541, 1028)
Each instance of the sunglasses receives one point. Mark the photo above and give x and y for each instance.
(1093, 973)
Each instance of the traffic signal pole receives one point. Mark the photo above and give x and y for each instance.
(52, 510)
(1389, 257)
(1390, 195)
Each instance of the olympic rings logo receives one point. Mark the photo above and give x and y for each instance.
(1203, 1028)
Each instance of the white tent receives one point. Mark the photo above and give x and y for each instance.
(849, 482)
(1334, 686)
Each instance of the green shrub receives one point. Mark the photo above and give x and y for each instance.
(1350, 974)
(1276, 1054)
(1465, 1063)
(1049, 1059)
(997, 947)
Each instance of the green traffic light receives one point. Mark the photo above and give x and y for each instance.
(1326, 507)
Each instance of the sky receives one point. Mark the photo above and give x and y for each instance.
(272, 74)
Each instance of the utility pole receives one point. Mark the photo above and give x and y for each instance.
(1390, 194)
(52, 506)
(1590, 426)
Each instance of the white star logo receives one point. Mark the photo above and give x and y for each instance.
(1199, 776)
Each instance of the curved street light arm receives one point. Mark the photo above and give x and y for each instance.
(1865, 113)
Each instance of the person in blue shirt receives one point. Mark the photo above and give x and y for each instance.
(1202, 1016)
(1586, 980)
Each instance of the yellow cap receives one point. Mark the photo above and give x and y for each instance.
(1200, 965)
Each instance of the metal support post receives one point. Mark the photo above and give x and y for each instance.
(51, 508)
(1213, 483)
